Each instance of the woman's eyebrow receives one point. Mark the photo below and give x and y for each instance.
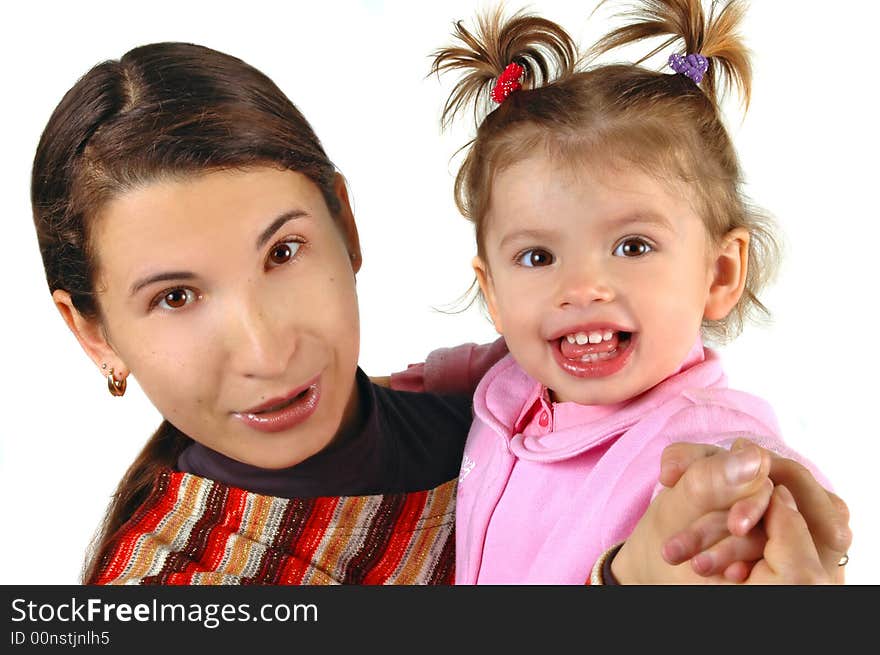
(160, 277)
(275, 225)
(265, 235)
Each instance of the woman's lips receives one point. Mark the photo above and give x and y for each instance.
(603, 359)
(283, 413)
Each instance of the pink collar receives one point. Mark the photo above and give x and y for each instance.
(519, 409)
(540, 415)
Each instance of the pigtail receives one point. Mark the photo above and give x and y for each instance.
(160, 452)
(714, 37)
(543, 49)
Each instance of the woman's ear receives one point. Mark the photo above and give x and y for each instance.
(484, 278)
(90, 335)
(728, 274)
(346, 223)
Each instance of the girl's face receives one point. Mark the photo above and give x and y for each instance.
(599, 279)
(230, 297)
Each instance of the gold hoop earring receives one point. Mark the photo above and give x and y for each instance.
(116, 387)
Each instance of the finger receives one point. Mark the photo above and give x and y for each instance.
(738, 572)
(716, 559)
(747, 513)
(790, 556)
(677, 458)
(703, 533)
(716, 483)
(826, 515)
(840, 507)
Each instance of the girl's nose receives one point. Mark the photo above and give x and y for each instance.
(584, 283)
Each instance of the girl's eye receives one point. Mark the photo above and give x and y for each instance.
(633, 247)
(175, 298)
(535, 257)
(283, 252)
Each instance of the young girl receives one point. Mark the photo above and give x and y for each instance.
(611, 233)
(196, 236)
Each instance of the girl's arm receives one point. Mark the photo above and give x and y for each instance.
(449, 370)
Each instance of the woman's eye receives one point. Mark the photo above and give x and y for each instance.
(633, 247)
(283, 252)
(534, 257)
(175, 298)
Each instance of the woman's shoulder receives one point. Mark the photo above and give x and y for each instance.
(425, 433)
(424, 409)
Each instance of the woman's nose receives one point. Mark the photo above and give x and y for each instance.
(261, 345)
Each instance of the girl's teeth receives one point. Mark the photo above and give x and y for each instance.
(597, 336)
(597, 357)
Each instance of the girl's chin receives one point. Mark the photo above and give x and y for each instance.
(581, 397)
(595, 391)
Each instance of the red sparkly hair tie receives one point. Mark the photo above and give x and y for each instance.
(507, 83)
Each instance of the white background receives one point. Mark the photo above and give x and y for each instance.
(358, 71)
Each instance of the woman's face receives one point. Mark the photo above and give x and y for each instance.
(230, 297)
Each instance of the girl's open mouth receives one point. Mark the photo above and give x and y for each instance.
(593, 353)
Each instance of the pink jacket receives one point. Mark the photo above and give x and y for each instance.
(541, 509)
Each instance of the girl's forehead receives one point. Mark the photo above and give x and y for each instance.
(541, 195)
(621, 157)
(613, 181)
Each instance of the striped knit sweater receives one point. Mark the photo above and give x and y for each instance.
(192, 530)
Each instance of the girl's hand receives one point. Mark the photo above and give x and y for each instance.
(711, 484)
(712, 552)
(726, 542)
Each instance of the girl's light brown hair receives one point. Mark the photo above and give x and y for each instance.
(162, 110)
(615, 114)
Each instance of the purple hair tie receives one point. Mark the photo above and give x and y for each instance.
(693, 66)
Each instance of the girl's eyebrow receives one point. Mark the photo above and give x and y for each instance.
(275, 225)
(617, 222)
(265, 235)
(525, 235)
(650, 218)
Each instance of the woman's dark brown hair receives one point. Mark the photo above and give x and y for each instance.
(164, 110)
(625, 114)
